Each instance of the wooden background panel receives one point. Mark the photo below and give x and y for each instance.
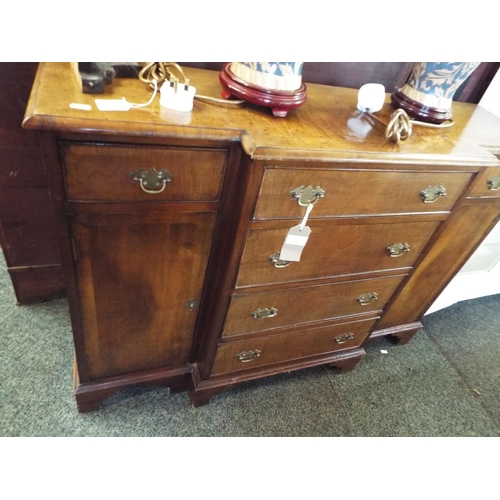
(27, 227)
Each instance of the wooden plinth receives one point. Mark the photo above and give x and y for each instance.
(419, 111)
(279, 101)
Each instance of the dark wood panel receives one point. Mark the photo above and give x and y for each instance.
(28, 227)
(27, 224)
(22, 167)
(38, 283)
(16, 79)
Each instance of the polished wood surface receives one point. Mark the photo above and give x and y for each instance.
(103, 173)
(296, 345)
(307, 304)
(323, 123)
(132, 260)
(460, 237)
(355, 192)
(136, 277)
(333, 250)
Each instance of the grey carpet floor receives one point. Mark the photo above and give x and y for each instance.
(445, 382)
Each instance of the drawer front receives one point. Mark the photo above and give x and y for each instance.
(96, 172)
(268, 310)
(264, 351)
(487, 183)
(334, 250)
(357, 192)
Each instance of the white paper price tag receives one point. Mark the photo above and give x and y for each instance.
(113, 104)
(295, 242)
(296, 239)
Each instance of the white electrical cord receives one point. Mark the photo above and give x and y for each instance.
(155, 85)
(161, 71)
(400, 126)
(122, 104)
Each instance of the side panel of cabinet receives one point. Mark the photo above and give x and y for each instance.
(461, 235)
(136, 278)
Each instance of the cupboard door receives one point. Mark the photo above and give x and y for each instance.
(137, 278)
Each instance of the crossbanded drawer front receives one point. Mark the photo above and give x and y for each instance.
(486, 184)
(334, 250)
(356, 192)
(263, 351)
(101, 172)
(289, 307)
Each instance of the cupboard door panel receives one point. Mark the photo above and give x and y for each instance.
(135, 279)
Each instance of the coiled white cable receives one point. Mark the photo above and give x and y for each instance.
(161, 71)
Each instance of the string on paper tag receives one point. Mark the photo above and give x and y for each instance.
(296, 239)
(306, 216)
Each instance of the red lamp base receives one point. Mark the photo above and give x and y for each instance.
(419, 111)
(280, 101)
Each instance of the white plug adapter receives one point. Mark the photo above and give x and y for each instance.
(177, 97)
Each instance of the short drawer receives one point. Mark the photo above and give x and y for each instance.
(486, 184)
(263, 351)
(357, 192)
(281, 308)
(103, 172)
(333, 250)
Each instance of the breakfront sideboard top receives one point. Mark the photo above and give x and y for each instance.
(326, 127)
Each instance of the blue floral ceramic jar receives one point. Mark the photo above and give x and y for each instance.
(428, 92)
(285, 76)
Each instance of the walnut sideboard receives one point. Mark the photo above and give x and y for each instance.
(171, 225)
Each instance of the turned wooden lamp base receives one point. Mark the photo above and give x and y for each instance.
(280, 101)
(419, 111)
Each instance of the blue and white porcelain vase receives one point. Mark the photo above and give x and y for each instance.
(280, 76)
(428, 92)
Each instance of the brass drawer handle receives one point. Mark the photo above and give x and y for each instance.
(307, 196)
(266, 312)
(275, 259)
(432, 193)
(366, 298)
(398, 249)
(494, 184)
(342, 339)
(247, 356)
(152, 181)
